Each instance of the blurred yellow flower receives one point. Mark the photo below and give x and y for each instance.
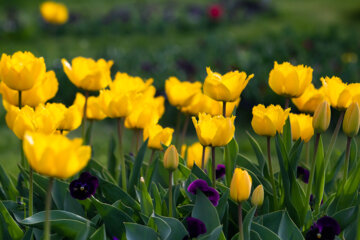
(288, 80)
(240, 186)
(93, 109)
(45, 89)
(124, 83)
(68, 118)
(322, 117)
(22, 70)
(194, 154)
(158, 135)
(226, 87)
(55, 155)
(88, 74)
(301, 126)
(115, 105)
(310, 99)
(217, 107)
(257, 197)
(179, 93)
(171, 158)
(337, 92)
(351, 121)
(270, 120)
(54, 13)
(214, 131)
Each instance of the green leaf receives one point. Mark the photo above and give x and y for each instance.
(99, 234)
(136, 231)
(247, 223)
(264, 232)
(231, 150)
(8, 185)
(13, 229)
(201, 174)
(135, 173)
(223, 202)
(151, 170)
(287, 137)
(83, 233)
(147, 207)
(157, 198)
(111, 161)
(28, 234)
(256, 147)
(163, 228)
(214, 235)
(185, 171)
(295, 154)
(346, 216)
(319, 179)
(178, 231)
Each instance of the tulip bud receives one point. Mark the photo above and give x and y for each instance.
(240, 186)
(322, 117)
(351, 121)
(171, 158)
(257, 197)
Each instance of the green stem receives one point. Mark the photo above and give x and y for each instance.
(47, 226)
(307, 153)
(203, 158)
(287, 103)
(241, 231)
(31, 192)
(120, 127)
(137, 140)
(271, 173)
(347, 158)
(170, 194)
(177, 130)
(213, 167)
(224, 108)
(184, 130)
(83, 127)
(20, 100)
(333, 139)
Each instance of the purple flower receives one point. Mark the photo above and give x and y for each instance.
(220, 171)
(84, 187)
(202, 185)
(115, 238)
(195, 227)
(324, 229)
(303, 174)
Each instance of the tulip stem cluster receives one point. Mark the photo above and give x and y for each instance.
(347, 158)
(271, 173)
(47, 226)
(120, 124)
(241, 231)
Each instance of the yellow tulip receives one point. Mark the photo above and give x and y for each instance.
(194, 154)
(226, 87)
(158, 135)
(214, 131)
(45, 89)
(54, 13)
(55, 155)
(87, 74)
(288, 80)
(351, 121)
(115, 105)
(179, 93)
(322, 117)
(310, 99)
(198, 103)
(68, 118)
(240, 186)
(22, 70)
(171, 158)
(217, 107)
(301, 126)
(124, 83)
(93, 109)
(338, 93)
(270, 120)
(257, 197)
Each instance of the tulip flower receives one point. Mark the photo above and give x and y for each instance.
(199, 103)
(54, 13)
(310, 99)
(325, 228)
(351, 121)
(69, 118)
(195, 228)
(337, 93)
(84, 187)
(301, 127)
(171, 162)
(22, 70)
(322, 116)
(257, 197)
(124, 83)
(194, 155)
(179, 93)
(93, 110)
(115, 105)
(43, 90)
(288, 80)
(157, 136)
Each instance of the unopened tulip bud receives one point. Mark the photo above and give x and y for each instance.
(351, 121)
(322, 117)
(257, 197)
(240, 186)
(171, 158)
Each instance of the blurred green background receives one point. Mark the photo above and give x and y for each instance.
(162, 38)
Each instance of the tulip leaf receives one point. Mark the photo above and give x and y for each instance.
(185, 171)
(214, 235)
(230, 153)
(136, 231)
(287, 137)
(222, 205)
(151, 170)
(178, 230)
(146, 203)
(83, 233)
(99, 234)
(11, 226)
(295, 154)
(259, 155)
(135, 173)
(8, 185)
(111, 160)
(346, 216)
(162, 227)
(200, 174)
(319, 179)
(29, 235)
(254, 235)
(247, 222)
(157, 198)
(264, 232)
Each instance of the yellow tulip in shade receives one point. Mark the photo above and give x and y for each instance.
(257, 197)
(179, 93)
(310, 99)
(322, 117)
(93, 110)
(337, 93)
(214, 131)
(301, 126)
(55, 155)
(227, 87)
(88, 74)
(240, 186)
(270, 120)
(115, 105)
(171, 158)
(158, 135)
(54, 13)
(22, 70)
(194, 154)
(45, 89)
(351, 121)
(288, 80)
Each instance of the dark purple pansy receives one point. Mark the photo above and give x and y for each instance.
(195, 227)
(84, 187)
(303, 174)
(115, 238)
(220, 171)
(202, 185)
(326, 228)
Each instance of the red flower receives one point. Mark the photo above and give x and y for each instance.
(215, 11)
